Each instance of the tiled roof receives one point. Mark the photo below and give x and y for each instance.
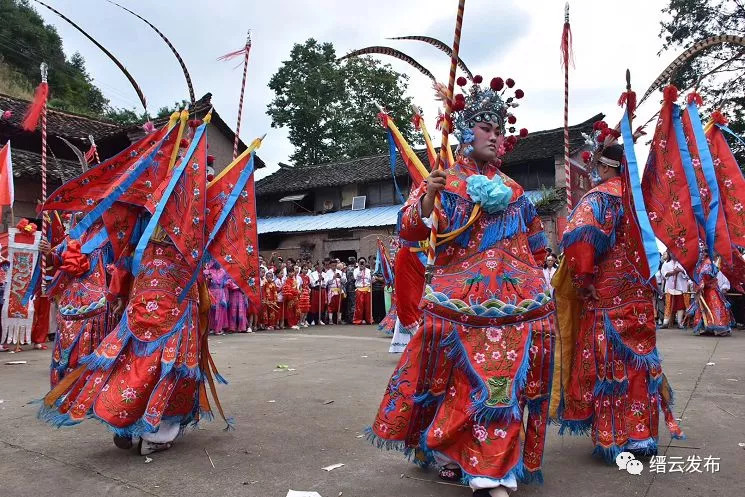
(538, 145)
(60, 123)
(549, 143)
(347, 219)
(27, 164)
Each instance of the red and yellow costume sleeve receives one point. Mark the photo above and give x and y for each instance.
(590, 233)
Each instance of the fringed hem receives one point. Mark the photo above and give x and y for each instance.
(384, 444)
(576, 427)
(518, 471)
(646, 447)
(537, 241)
(478, 409)
(638, 361)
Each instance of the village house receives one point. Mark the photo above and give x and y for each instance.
(341, 209)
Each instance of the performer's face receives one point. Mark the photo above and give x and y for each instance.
(486, 142)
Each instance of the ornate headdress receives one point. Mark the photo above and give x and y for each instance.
(484, 104)
(602, 137)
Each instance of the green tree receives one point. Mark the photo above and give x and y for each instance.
(26, 42)
(329, 107)
(720, 71)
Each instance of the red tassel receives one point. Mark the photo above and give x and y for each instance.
(235, 54)
(417, 121)
(567, 53)
(628, 98)
(670, 93)
(695, 97)
(719, 118)
(34, 111)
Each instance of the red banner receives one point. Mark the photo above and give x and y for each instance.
(666, 192)
(183, 215)
(722, 243)
(86, 191)
(236, 246)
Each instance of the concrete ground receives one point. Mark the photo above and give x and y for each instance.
(290, 424)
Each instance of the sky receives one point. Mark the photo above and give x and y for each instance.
(503, 38)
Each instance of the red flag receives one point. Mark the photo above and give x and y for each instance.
(183, 215)
(731, 185)
(120, 220)
(722, 243)
(666, 192)
(7, 195)
(86, 191)
(235, 246)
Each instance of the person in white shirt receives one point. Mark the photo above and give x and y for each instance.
(676, 283)
(317, 296)
(363, 293)
(549, 268)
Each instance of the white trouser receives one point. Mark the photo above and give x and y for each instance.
(167, 432)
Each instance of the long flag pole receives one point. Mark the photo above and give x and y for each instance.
(446, 127)
(566, 59)
(245, 52)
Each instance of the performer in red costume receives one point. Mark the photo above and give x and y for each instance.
(615, 388)
(458, 395)
(80, 291)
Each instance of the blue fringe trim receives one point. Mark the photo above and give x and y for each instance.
(592, 235)
(382, 443)
(537, 241)
(508, 223)
(608, 454)
(576, 428)
(610, 387)
(627, 355)
(478, 409)
(646, 447)
(220, 379)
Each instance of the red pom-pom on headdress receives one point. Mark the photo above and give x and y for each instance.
(519, 94)
(478, 79)
(523, 133)
(210, 160)
(511, 119)
(586, 156)
(461, 81)
(184, 143)
(496, 84)
(510, 82)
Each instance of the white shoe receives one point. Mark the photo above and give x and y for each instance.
(147, 448)
(249, 330)
(321, 323)
(295, 327)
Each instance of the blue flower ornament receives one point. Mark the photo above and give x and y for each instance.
(492, 194)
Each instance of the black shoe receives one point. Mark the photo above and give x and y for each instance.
(124, 443)
(451, 474)
(482, 492)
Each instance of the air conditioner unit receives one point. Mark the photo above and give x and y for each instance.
(358, 203)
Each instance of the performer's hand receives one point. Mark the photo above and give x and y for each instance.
(119, 306)
(435, 183)
(588, 292)
(44, 246)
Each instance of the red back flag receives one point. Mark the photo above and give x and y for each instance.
(666, 193)
(231, 219)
